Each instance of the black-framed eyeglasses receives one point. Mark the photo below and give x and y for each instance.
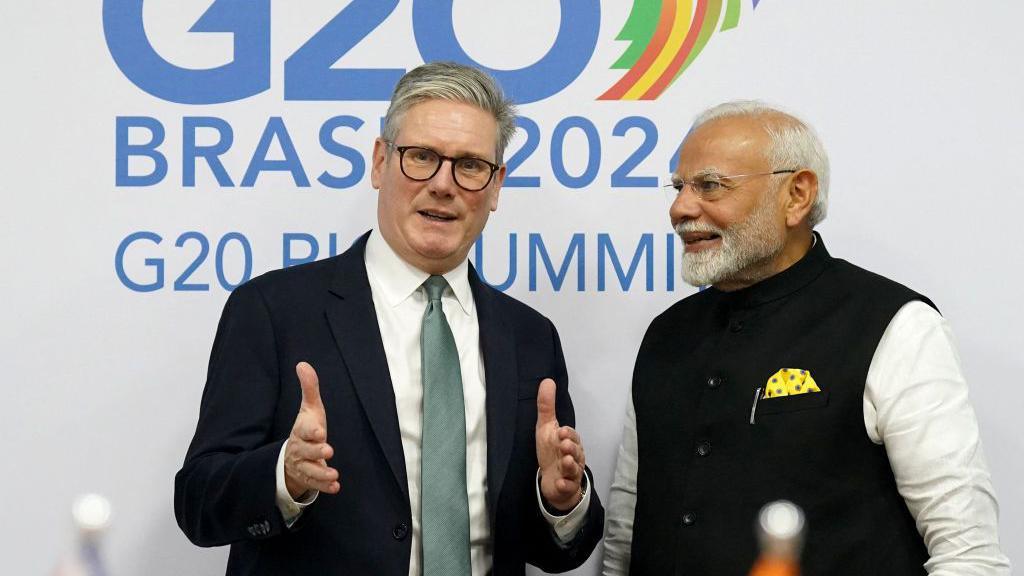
(714, 186)
(472, 174)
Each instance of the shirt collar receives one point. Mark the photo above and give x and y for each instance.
(397, 280)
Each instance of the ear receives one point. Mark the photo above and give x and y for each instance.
(801, 194)
(380, 157)
(499, 179)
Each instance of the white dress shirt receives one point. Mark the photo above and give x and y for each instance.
(399, 302)
(915, 403)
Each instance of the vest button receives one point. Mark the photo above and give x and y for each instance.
(736, 326)
(704, 448)
(400, 531)
(715, 382)
(689, 519)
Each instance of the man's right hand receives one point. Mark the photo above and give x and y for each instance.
(305, 458)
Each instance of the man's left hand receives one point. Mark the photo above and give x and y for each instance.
(559, 454)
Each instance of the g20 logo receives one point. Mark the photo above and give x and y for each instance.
(308, 73)
(665, 37)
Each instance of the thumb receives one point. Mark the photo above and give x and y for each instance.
(546, 403)
(310, 384)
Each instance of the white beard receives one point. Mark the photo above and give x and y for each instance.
(744, 247)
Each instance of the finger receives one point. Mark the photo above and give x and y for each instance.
(309, 471)
(569, 468)
(315, 478)
(570, 448)
(568, 432)
(307, 475)
(330, 487)
(546, 403)
(299, 449)
(310, 384)
(566, 487)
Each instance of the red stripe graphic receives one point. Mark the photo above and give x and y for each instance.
(666, 78)
(658, 41)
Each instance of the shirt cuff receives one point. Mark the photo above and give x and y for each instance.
(290, 508)
(567, 526)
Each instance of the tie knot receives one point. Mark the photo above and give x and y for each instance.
(435, 287)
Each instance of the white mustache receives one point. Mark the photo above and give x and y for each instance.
(692, 226)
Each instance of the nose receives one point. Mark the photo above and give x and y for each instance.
(443, 183)
(686, 206)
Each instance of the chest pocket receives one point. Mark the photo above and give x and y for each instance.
(784, 404)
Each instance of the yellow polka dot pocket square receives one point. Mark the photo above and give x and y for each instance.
(790, 382)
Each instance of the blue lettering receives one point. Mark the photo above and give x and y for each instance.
(433, 26)
(247, 74)
(593, 152)
(190, 151)
(332, 244)
(309, 75)
(243, 242)
(576, 249)
(335, 148)
(621, 177)
(532, 131)
(156, 263)
(478, 257)
(124, 150)
(291, 163)
(182, 284)
(287, 240)
(644, 249)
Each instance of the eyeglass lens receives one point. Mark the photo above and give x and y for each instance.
(423, 163)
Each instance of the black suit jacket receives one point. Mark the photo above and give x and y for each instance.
(323, 313)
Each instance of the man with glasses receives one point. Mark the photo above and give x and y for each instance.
(385, 411)
(793, 376)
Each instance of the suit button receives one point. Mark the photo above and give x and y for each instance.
(400, 531)
(715, 382)
(736, 326)
(689, 519)
(704, 448)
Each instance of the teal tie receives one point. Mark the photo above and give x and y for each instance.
(445, 508)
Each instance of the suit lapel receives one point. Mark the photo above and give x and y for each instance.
(353, 323)
(499, 354)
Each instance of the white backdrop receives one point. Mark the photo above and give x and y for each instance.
(918, 102)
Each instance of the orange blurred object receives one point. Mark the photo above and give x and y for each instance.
(775, 567)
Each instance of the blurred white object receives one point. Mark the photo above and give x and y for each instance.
(91, 514)
(780, 529)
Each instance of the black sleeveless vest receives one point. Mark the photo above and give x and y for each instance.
(705, 470)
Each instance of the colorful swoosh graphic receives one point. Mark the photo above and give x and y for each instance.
(665, 37)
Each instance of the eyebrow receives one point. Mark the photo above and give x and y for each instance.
(709, 171)
(459, 155)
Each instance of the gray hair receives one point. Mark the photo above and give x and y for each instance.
(456, 83)
(794, 144)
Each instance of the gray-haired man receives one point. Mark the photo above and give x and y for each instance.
(385, 411)
(795, 376)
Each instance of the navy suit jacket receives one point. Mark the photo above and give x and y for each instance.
(323, 313)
